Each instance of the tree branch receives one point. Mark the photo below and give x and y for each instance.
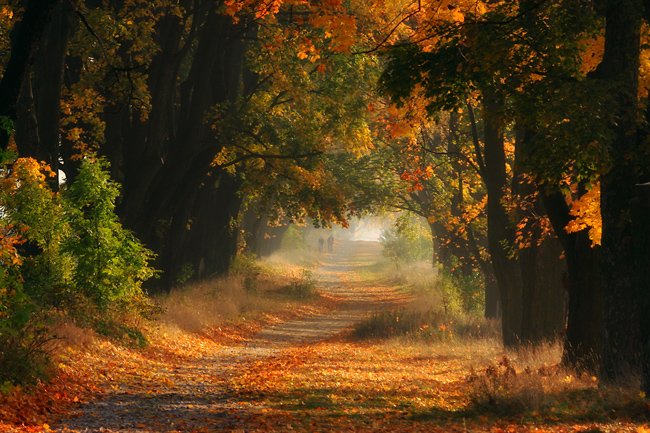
(475, 140)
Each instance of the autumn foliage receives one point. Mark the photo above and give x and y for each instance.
(159, 143)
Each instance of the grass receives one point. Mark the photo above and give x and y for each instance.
(432, 325)
(252, 290)
(301, 287)
(190, 324)
(429, 316)
(531, 383)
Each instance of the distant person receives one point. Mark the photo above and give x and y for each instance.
(330, 244)
(321, 244)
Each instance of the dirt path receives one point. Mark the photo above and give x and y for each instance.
(197, 393)
(340, 277)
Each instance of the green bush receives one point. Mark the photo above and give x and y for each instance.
(462, 293)
(246, 266)
(35, 214)
(294, 238)
(61, 252)
(111, 263)
(23, 357)
(133, 337)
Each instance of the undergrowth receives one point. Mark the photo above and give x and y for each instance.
(533, 388)
(251, 288)
(440, 311)
(427, 325)
(62, 253)
(301, 287)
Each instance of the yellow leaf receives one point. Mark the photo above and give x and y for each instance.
(458, 16)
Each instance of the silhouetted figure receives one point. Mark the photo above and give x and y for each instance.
(330, 244)
(321, 243)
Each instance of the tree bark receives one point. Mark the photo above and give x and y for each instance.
(24, 38)
(543, 296)
(583, 336)
(500, 230)
(641, 217)
(173, 198)
(619, 69)
(39, 109)
(492, 310)
(542, 269)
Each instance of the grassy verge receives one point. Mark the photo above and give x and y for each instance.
(434, 314)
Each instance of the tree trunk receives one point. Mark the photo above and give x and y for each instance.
(169, 198)
(491, 297)
(270, 239)
(440, 254)
(619, 68)
(251, 226)
(641, 217)
(543, 296)
(39, 107)
(24, 38)
(542, 269)
(500, 230)
(583, 336)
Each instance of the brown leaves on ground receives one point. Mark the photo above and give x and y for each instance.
(350, 386)
(91, 367)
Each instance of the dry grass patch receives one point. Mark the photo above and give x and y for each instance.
(254, 291)
(531, 383)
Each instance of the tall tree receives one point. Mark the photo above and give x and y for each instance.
(619, 70)
(25, 36)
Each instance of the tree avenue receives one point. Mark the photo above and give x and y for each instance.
(148, 143)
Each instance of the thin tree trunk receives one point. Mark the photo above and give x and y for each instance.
(48, 82)
(642, 252)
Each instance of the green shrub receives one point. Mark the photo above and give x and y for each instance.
(22, 335)
(111, 263)
(133, 337)
(184, 274)
(67, 251)
(31, 268)
(34, 212)
(246, 266)
(408, 241)
(462, 294)
(294, 238)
